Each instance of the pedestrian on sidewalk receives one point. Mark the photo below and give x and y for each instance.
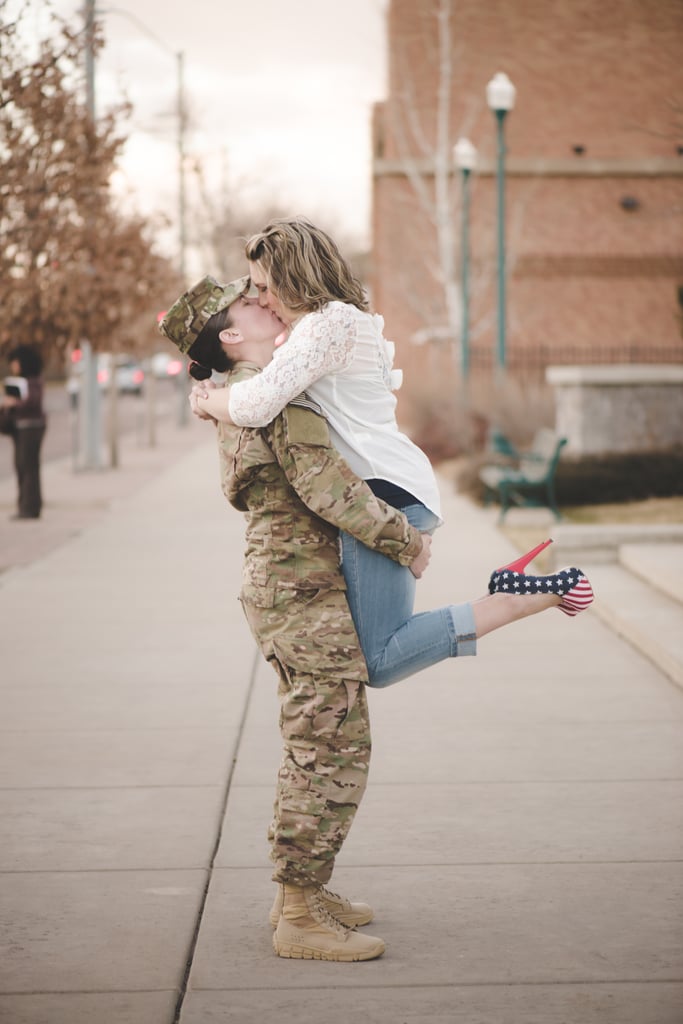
(296, 491)
(23, 418)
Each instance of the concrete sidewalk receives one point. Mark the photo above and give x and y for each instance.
(520, 840)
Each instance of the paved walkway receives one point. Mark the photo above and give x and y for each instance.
(520, 840)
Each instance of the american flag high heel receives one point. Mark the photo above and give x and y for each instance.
(572, 585)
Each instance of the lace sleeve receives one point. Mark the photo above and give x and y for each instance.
(321, 343)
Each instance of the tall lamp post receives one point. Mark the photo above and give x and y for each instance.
(87, 454)
(181, 116)
(500, 96)
(465, 156)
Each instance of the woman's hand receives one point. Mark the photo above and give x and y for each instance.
(419, 564)
(199, 391)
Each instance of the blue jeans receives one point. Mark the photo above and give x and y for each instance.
(381, 594)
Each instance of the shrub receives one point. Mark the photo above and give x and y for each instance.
(593, 480)
(598, 479)
(448, 421)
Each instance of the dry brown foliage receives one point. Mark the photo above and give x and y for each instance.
(449, 420)
(72, 266)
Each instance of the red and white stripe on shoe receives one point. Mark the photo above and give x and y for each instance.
(578, 598)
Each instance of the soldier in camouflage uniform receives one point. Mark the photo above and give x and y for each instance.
(297, 493)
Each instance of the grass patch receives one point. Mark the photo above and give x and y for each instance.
(637, 513)
(651, 510)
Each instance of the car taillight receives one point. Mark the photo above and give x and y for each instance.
(138, 376)
(174, 367)
(102, 376)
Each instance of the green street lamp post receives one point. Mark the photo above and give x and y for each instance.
(465, 156)
(500, 96)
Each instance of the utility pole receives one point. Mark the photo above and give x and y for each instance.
(183, 406)
(89, 411)
(181, 117)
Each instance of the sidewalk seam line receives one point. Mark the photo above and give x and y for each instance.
(219, 834)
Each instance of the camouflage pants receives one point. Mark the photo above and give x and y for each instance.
(309, 639)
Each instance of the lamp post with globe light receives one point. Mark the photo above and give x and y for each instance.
(465, 156)
(500, 97)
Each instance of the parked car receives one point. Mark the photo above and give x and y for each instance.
(129, 374)
(166, 366)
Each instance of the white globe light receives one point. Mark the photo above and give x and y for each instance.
(500, 92)
(465, 155)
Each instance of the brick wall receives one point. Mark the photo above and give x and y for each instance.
(584, 272)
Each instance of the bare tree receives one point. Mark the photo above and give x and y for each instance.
(423, 128)
(223, 218)
(72, 266)
(425, 152)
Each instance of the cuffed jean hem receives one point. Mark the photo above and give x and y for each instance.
(396, 642)
(462, 616)
(425, 640)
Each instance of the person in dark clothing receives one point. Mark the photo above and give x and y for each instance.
(26, 423)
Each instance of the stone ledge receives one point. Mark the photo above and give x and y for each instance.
(660, 565)
(625, 408)
(648, 620)
(620, 374)
(599, 544)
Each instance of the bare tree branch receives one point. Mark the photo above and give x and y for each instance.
(72, 266)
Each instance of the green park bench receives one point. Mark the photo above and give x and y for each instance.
(532, 481)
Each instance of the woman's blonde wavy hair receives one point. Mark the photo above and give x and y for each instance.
(303, 266)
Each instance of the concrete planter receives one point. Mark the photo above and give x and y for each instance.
(622, 409)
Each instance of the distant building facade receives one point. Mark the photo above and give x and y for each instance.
(594, 182)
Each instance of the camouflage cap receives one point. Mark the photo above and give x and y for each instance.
(188, 315)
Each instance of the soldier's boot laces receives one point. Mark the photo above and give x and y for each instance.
(307, 930)
(351, 914)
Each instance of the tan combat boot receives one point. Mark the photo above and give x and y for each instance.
(307, 931)
(350, 914)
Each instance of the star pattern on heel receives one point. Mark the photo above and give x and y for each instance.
(570, 584)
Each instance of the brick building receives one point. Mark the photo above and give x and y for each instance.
(594, 183)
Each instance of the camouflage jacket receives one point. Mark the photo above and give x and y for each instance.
(297, 492)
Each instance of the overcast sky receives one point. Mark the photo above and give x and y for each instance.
(279, 93)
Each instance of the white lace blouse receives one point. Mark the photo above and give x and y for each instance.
(341, 359)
